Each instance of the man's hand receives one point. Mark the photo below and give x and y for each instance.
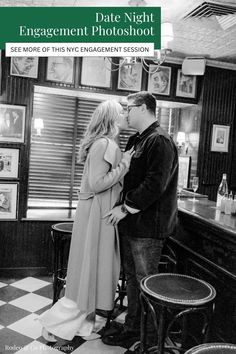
(115, 215)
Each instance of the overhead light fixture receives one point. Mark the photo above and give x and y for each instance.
(167, 34)
(159, 55)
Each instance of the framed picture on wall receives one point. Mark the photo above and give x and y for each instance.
(8, 201)
(60, 69)
(184, 171)
(96, 71)
(130, 77)
(9, 162)
(0, 72)
(12, 123)
(159, 80)
(220, 138)
(186, 85)
(24, 66)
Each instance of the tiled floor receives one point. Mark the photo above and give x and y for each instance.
(21, 301)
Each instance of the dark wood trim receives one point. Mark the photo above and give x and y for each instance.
(24, 272)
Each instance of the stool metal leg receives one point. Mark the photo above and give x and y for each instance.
(162, 330)
(144, 312)
(184, 331)
(207, 326)
(55, 267)
(146, 307)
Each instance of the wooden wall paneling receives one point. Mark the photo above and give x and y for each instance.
(19, 91)
(26, 248)
(232, 176)
(218, 107)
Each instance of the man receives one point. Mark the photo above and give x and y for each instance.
(148, 213)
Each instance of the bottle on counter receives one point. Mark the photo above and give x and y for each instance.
(222, 190)
(233, 208)
(228, 204)
(223, 203)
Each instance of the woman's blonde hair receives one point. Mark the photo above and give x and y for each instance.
(104, 122)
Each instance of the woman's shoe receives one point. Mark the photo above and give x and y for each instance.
(49, 337)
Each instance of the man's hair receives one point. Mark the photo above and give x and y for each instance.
(144, 97)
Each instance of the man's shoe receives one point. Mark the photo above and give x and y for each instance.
(124, 339)
(114, 328)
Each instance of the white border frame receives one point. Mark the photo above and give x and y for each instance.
(13, 139)
(9, 189)
(129, 68)
(165, 69)
(96, 72)
(181, 93)
(49, 75)
(0, 72)
(33, 74)
(216, 144)
(184, 170)
(14, 163)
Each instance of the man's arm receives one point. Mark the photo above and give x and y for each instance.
(160, 157)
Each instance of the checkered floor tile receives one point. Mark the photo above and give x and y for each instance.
(21, 302)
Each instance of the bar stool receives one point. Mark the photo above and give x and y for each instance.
(180, 295)
(61, 237)
(168, 263)
(213, 348)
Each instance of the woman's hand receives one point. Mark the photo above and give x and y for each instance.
(127, 155)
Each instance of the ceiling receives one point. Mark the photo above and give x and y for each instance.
(202, 35)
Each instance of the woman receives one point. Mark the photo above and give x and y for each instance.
(94, 262)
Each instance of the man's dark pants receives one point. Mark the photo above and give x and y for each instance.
(140, 257)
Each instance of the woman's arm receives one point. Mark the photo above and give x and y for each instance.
(101, 176)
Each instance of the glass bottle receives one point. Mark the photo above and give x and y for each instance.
(223, 202)
(233, 209)
(228, 204)
(222, 190)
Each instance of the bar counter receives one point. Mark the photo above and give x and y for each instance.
(205, 245)
(206, 211)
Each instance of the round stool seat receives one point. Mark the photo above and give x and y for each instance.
(65, 227)
(177, 289)
(213, 348)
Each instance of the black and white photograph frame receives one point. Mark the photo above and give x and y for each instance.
(159, 80)
(8, 201)
(220, 138)
(12, 123)
(24, 67)
(186, 85)
(184, 171)
(9, 162)
(61, 69)
(129, 77)
(96, 71)
(0, 72)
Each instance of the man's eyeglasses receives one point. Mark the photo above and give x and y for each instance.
(131, 106)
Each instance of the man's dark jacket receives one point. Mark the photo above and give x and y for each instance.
(151, 185)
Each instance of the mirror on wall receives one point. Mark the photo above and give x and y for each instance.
(182, 122)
